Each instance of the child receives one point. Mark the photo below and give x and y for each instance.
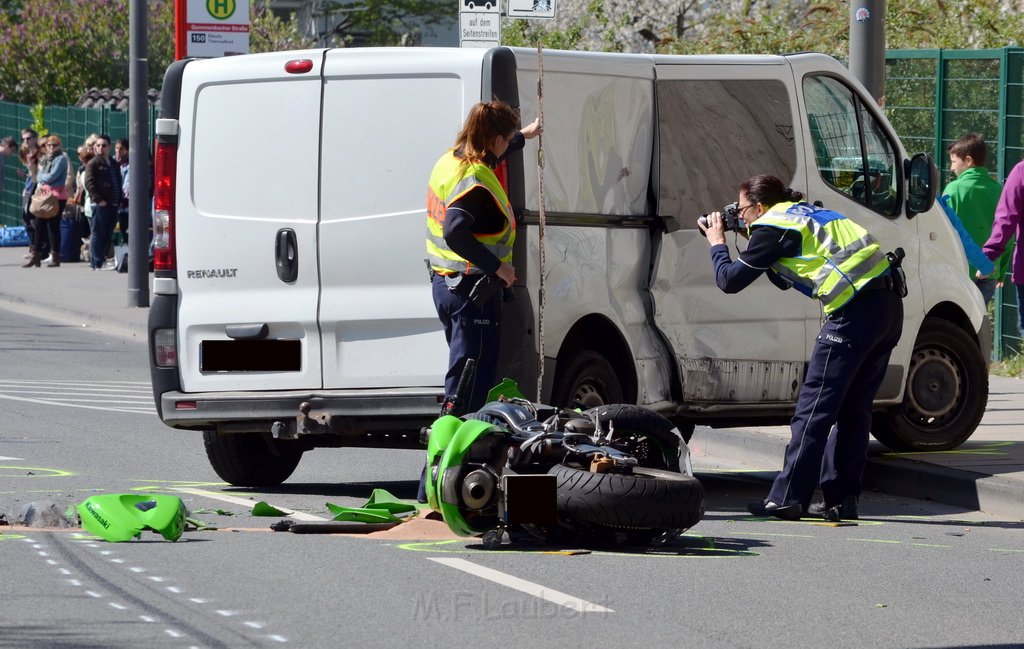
(973, 196)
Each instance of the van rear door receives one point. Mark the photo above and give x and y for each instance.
(388, 116)
(246, 224)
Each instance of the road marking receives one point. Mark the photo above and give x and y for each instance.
(49, 473)
(4, 458)
(47, 402)
(523, 586)
(302, 516)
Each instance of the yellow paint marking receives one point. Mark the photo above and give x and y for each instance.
(49, 473)
(792, 536)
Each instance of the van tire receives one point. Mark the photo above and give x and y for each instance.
(945, 396)
(250, 459)
(586, 379)
(647, 500)
(642, 433)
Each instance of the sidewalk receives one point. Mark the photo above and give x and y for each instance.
(71, 293)
(986, 472)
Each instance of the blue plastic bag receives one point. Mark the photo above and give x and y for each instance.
(13, 236)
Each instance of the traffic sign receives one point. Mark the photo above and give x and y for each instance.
(479, 23)
(531, 8)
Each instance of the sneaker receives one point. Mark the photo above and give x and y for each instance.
(768, 508)
(846, 510)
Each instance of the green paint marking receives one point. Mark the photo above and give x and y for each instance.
(10, 537)
(930, 545)
(1006, 550)
(43, 473)
(656, 553)
(987, 449)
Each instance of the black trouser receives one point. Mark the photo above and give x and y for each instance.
(47, 233)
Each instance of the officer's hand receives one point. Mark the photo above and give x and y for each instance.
(507, 274)
(715, 231)
(533, 130)
(978, 275)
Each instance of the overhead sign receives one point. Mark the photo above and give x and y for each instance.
(479, 23)
(531, 8)
(211, 28)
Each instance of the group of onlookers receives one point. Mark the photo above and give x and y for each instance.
(98, 191)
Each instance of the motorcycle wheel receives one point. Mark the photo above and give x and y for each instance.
(642, 433)
(641, 504)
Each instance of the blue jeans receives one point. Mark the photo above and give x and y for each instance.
(103, 219)
(987, 287)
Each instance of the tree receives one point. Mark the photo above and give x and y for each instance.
(767, 26)
(384, 22)
(54, 50)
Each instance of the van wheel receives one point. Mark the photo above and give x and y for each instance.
(586, 380)
(250, 459)
(945, 396)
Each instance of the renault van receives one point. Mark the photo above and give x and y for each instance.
(292, 308)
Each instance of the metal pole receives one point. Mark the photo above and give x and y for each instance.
(138, 158)
(867, 45)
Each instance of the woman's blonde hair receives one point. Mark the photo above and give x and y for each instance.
(485, 122)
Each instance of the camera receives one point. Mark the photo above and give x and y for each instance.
(730, 218)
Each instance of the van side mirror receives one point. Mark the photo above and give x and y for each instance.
(922, 184)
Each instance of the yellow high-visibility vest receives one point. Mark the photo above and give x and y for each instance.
(450, 180)
(837, 256)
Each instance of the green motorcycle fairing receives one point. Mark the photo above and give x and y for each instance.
(474, 445)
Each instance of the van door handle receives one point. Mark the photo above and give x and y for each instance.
(287, 252)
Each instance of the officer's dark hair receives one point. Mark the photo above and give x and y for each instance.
(485, 122)
(768, 190)
(973, 145)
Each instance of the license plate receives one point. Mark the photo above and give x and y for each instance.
(250, 356)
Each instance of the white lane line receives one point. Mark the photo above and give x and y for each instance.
(277, 638)
(302, 516)
(4, 458)
(523, 586)
(174, 634)
(46, 402)
(146, 618)
(120, 607)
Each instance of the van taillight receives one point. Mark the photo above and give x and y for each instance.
(165, 348)
(164, 166)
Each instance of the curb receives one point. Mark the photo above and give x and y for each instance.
(897, 476)
(77, 317)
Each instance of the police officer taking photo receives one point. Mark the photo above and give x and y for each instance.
(828, 257)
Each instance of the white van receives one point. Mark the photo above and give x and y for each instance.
(292, 307)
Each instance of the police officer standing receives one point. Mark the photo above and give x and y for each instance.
(826, 256)
(470, 233)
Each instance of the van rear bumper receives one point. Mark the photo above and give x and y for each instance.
(375, 418)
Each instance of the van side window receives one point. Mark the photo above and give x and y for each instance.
(713, 135)
(853, 153)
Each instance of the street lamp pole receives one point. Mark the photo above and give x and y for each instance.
(138, 157)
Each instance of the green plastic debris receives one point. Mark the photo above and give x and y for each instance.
(263, 508)
(507, 388)
(219, 512)
(383, 499)
(122, 517)
(361, 514)
(382, 507)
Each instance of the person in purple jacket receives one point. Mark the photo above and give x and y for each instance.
(1007, 225)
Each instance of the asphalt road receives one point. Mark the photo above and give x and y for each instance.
(77, 419)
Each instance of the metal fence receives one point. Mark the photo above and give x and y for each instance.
(72, 124)
(934, 96)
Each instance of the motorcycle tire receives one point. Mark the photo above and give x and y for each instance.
(642, 433)
(644, 502)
